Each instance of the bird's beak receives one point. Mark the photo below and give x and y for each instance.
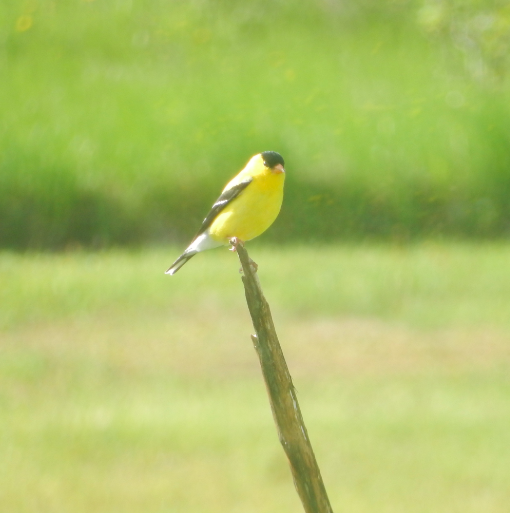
(278, 169)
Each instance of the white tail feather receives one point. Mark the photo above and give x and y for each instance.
(201, 243)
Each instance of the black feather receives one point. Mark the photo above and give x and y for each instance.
(272, 158)
(226, 198)
(180, 262)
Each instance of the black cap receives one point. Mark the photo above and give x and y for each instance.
(272, 158)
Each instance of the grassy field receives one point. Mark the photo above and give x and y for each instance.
(121, 120)
(122, 389)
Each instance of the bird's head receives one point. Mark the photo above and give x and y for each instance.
(274, 161)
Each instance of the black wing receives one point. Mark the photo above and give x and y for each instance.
(226, 198)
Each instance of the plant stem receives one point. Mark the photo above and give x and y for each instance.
(282, 395)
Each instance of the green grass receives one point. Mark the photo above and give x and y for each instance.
(122, 120)
(122, 389)
(425, 284)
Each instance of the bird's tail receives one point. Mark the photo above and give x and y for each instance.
(180, 262)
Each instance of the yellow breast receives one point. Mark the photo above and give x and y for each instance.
(254, 211)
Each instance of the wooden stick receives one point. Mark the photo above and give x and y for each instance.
(282, 395)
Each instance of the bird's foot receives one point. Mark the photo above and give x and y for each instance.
(235, 242)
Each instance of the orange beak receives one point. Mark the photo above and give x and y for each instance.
(278, 169)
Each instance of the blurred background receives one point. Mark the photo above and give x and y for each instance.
(387, 270)
(121, 120)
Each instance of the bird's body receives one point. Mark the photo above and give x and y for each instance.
(253, 211)
(247, 207)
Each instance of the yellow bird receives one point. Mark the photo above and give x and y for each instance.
(247, 207)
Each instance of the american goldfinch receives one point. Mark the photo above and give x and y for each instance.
(247, 207)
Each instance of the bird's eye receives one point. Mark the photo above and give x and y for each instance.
(265, 164)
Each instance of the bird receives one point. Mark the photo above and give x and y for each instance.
(247, 207)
